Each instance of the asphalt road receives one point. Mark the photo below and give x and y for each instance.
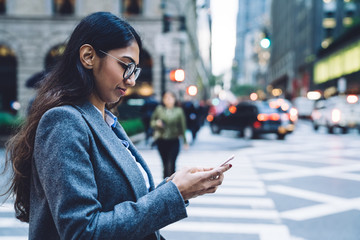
(306, 187)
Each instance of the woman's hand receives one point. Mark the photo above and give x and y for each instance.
(159, 123)
(193, 182)
(186, 146)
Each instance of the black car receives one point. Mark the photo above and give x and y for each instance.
(251, 119)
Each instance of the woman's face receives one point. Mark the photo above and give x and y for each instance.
(169, 100)
(108, 72)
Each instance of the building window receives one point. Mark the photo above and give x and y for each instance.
(132, 7)
(329, 23)
(64, 7)
(8, 83)
(2, 6)
(53, 56)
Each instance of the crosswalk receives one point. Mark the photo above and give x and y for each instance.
(256, 200)
(240, 209)
(10, 227)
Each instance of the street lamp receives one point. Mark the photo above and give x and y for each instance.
(192, 90)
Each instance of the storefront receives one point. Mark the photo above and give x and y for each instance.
(338, 68)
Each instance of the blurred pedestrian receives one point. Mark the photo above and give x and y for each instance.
(146, 112)
(35, 80)
(169, 123)
(192, 118)
(76, 174)
(203, 110)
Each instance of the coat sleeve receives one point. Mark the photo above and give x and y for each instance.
(62, 158)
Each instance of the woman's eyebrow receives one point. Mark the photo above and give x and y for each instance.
(130, 58)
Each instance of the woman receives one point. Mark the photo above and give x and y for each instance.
(76, 174)
(169, 123)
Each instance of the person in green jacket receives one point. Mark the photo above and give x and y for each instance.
(169, 124)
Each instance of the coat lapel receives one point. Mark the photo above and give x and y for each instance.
(120, 132)
(113, 146)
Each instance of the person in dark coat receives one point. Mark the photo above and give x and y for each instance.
(146, 112)
(192, 118)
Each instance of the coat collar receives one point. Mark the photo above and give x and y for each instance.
(110, 141)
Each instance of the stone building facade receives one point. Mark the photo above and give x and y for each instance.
(31, 31)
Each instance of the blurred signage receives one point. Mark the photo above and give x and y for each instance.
(340, 63)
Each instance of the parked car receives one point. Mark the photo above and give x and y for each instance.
(304, 106)
(287, 111)
(251, 119)
(337, 112)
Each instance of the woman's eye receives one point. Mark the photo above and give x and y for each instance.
(122, 65)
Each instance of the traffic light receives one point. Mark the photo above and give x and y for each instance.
(177, 75)
(265, 42)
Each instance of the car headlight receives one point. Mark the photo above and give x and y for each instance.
(335, 115)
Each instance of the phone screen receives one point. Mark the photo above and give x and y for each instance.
(228, 160)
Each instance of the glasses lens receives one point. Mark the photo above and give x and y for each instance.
(137, 72)
(129, 70)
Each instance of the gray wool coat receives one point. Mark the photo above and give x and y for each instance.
(85, 184)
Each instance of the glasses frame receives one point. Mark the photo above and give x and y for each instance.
(136, 71)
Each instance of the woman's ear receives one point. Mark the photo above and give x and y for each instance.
(87, 56)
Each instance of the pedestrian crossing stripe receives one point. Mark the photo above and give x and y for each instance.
(13, 237)
(234, 201)
(7, 222)
(6, 208)
(264, 231)
(232, 213)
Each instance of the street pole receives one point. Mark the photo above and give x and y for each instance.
(162, 79)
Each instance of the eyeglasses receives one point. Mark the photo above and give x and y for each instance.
(130, 68)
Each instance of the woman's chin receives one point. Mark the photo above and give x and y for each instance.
(113, 102)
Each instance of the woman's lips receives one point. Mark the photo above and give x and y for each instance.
(121, 90)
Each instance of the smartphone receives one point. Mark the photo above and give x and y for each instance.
(228, 160)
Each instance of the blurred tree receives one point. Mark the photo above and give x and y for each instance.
(244, 90)
(216, 80)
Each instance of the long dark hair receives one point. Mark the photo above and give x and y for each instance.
(68, 83)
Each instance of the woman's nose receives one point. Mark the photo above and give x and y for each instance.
(130, 81)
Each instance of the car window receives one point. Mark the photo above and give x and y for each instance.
(265, 108)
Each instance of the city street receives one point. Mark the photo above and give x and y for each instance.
(306, 187)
